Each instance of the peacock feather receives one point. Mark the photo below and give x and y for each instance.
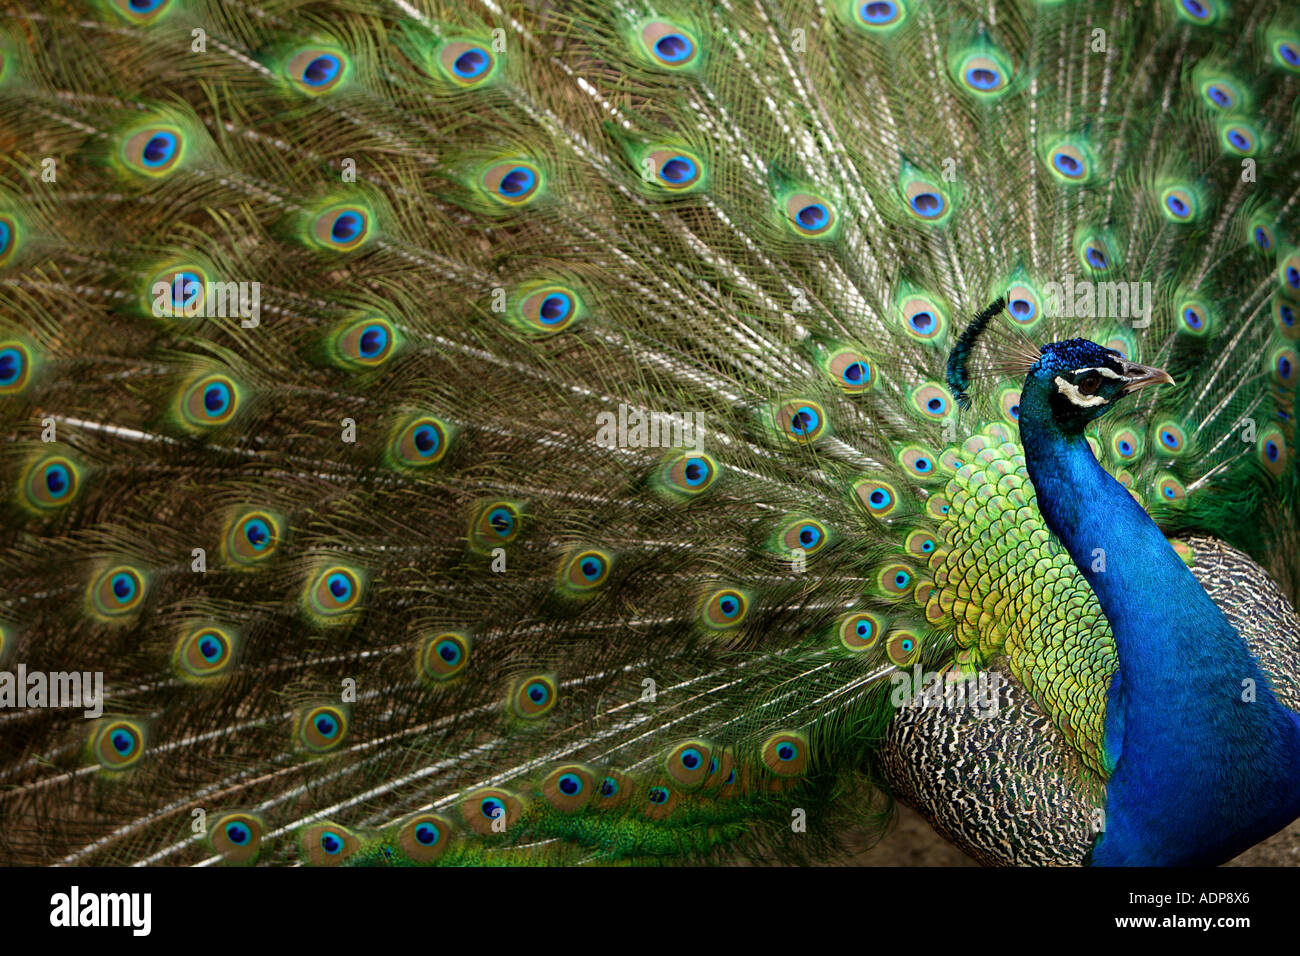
(514, 433)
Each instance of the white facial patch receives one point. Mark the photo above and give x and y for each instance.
(1070, 391)
(1101, 369)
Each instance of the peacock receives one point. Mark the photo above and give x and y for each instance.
(511, 432)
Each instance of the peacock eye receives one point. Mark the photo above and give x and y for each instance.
(1089, 384)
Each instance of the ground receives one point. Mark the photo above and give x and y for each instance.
(911, 842)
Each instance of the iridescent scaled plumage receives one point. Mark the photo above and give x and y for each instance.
(1010, 590)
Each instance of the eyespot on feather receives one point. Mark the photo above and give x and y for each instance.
(688, 763)
(1169, 438)
(878, 16)
(858, 631)
(237, 837)
(153, 150)
(800, 420)
(660, 801)
(534, 696)
(50, 483)
(208, 402)
(938, 506)
(1024, 305)
(317, 70)
(923, 319)
(724, 609)
(688, 474)
(1070, 163)
(902, 647)
(550, 309)
(513, 182)
(803, 534)
(1272, 451)
(1285, 49)
(117, 743)
(585, 570)
(327, 844)
(424, 837)
(1194, 319)
(1009, 403)
(931, 401)
(1288, 273)
(1179, 204)
(1126, 445)
(926, 201)
(1170, 490)
(921, 543)
(495, 523)
(467, 63)
(1284, 316)
(204, 652)
(117, 592)
(895, 579)
(1238, 138)
(1281, 364)
(1220, 93)
(344, 227)
(419, 442)
(569, 788)
(669, 46)
(1200, 12)
(878, 497)
(1261, 235)
(489, 805)
(251, 538)
(613, 789)
(1096, 254)
(810, 215)
(443, 655)
(984, 74)
(333, 592)
(919, 462)
(785, 753)
(364, 344)
(141, 12)
(322, 728)
(177, 292)
(11, 233)
(851, 370)
(676, 170)
(16, 366)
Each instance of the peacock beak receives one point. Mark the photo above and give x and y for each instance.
(1140, 376)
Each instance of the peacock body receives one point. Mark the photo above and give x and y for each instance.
(516, 432)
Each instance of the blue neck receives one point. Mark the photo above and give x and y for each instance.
(1199, 774)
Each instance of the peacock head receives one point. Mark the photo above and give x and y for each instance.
(1067, 384)
(1076, 381)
